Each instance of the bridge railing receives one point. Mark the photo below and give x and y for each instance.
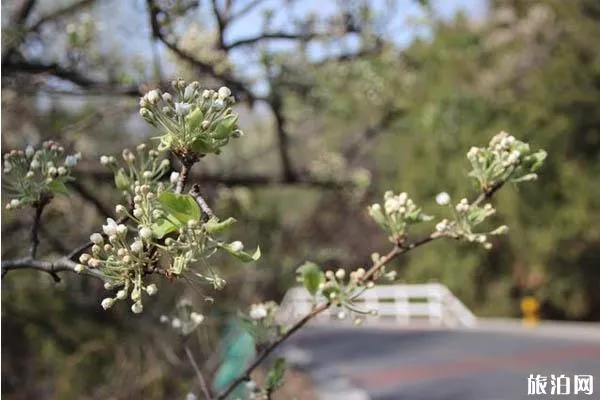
(404, 304)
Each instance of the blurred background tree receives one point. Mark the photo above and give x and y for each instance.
(328, 91)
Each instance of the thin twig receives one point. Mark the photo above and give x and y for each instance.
(195, 193)
(265, 353)
(35, 227)
(50, 267)
(201, 380)
(183, 177)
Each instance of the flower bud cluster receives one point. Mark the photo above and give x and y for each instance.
(467, 217)
(193, 121)
(31, 174)
(397, 214)
(263, 311)
(184, 320)
(142, 167)
(505, 159)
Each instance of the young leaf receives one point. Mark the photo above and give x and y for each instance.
(276, 373)
(311, 276)
(241, 255)
(58, 187)
(181, 206)
(163, 227)
(214, 226)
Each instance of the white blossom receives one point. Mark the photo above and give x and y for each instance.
(146, 233)
(153, 96)
(197, 318)
(258, 311)
(442, 198)
(107, 303)
(29, 151)
(79, 268)
(151, 289)
(174, 177)
(182, 109)
(121, 294)
(236, 246)
(110, 228)
(121, 229)
(96, 238)
(224, 92)
(176, 323)
(137, 307)
(137, 246)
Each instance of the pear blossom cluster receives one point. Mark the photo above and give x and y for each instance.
(505, 159)
(263, 311)
(32, 174)
(143, 167)
(193, 122)
(397, 214)
(466, 218)
(184, 320)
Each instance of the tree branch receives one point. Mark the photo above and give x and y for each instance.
(50, 267)
(195, 193)
(243, 92)
(273, 36)
(266, 352)
(370, 275)
(201, 380)
(35, 226)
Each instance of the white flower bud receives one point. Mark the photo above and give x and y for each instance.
(182, 109)
(174, 177)
(147, 174)
(340, 274)
(29, 174)
(188, 93)
(224, 92)
(167, 97)
(35, 164)
(196, 318)
(164, 319)
(84, 258)
(107, 303)
(164, 163)
(110, 228)
(236, 246)
(156, 214)
(341, 315)
(176, 323)
(104, 160)
(137, 307)
(442, 199)
(146, 233)
(29, 151)
(62, 171)
(108, 285)
(151, 289)
(137, 246)
(97, 238)
(121, 294)
(153, 96)
(138, 212)
(121, 229)
(218, 104)
(15, 203)
(120, 210)
(79, 268)
(258, 311)
(71, 161)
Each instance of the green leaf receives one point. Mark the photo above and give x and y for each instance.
(311, 276)
(241, 255)
(214, 226)
(58, 187)
(163, 227)
(275, 376)
(225, 127)
(182, 207)
(201, 146)
(122, 180)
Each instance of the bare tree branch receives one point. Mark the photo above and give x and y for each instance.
(50, 267)
(35, 226)
(273, 36)
(19, 17)
(242, 92)
(195, 193)
(201, 380)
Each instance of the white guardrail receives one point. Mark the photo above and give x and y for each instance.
(432, 302)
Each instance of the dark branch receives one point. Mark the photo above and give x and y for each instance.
(50, 267)
(242, 92)
(19, 17)
(35, 226)
(201, 380)
(273, 36)
(195, 193)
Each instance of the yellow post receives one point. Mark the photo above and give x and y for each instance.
(530, 308)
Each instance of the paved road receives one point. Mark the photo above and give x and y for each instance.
(413, 364)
